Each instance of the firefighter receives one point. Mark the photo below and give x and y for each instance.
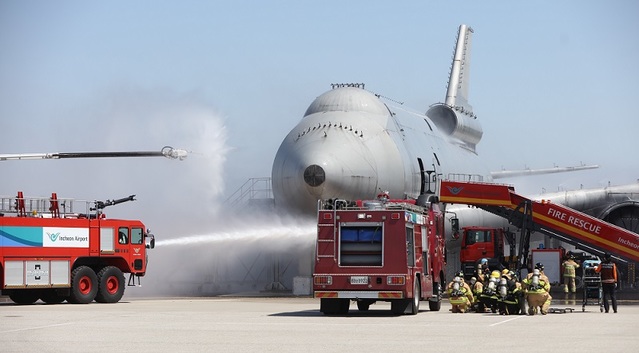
(570, 272)
(483, 271)
(459, 294)
(477, 288)
(510, 294)
(537, 289)
(608, 270)
(488, 297)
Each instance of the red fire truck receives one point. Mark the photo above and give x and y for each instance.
(63, 249)
(381, 250)
(485, 243)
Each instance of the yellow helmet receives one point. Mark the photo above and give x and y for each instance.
(505, 271)
(495, 274)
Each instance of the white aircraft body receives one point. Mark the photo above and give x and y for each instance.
(351, 145)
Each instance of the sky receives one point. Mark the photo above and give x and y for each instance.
(552, 82)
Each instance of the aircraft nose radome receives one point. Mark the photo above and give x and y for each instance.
(314, 175)
(303, 176)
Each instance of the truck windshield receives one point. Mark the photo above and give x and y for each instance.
(137, 236)
(361, 245)
(477, 236)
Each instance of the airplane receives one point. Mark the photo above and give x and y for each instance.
(351, 144)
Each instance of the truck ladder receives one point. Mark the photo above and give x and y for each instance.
(579, 229)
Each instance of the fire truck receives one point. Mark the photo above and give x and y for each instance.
(379, 250)
(485, 243)
(566, 224)
(63, 249)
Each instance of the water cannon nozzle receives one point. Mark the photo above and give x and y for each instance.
(174, 153)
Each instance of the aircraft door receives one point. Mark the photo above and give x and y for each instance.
(428, 178)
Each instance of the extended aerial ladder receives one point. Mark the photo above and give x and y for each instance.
(568, 225)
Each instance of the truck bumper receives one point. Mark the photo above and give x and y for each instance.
(378, 295)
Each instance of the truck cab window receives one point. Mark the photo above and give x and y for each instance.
(137, 236)
(123, 235)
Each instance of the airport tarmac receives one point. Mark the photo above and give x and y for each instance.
(294, 324)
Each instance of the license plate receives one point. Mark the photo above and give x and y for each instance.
(359, 279)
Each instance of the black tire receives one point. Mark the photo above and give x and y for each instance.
(344, 304)
(84, 285)
(414, 305)
(435, 304)
(110, 285)
(25, 297)
(363, 305)
(50, 296)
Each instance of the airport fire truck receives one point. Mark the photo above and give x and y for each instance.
(379, 250)
(63, 249)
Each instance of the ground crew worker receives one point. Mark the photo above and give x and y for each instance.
(537, 288)
(608, 270)
(570, 272)
(459, 294)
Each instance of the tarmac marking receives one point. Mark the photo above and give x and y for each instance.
(502, 322)
(36, 327)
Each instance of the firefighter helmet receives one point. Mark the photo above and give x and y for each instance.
(495, 274)
(539, 266)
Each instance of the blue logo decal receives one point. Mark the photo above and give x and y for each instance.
(455, 190)
(53, 236)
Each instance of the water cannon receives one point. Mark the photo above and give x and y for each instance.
(167, 151)
(174, 153)
(99, 205)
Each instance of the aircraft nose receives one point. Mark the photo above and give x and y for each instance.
(303, 175)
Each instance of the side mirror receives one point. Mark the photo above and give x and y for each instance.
(454, 224)
(151, 243)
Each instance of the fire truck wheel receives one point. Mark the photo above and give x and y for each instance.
(24, 297)
(363, 305)
(435, 304)
(50, 296)
(414, 305)
(84, 285)
(110, 285)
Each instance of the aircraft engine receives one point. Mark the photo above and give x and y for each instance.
(456, 123)
(623, 214)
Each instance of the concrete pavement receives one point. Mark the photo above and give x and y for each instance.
(294, 324)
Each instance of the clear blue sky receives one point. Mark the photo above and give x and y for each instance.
(553, 82)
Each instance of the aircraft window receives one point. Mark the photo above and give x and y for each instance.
(137, 236)
(123, 235)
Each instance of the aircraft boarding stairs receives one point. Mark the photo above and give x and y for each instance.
(579, 229)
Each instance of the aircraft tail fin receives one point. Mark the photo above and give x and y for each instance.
(457, 94)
